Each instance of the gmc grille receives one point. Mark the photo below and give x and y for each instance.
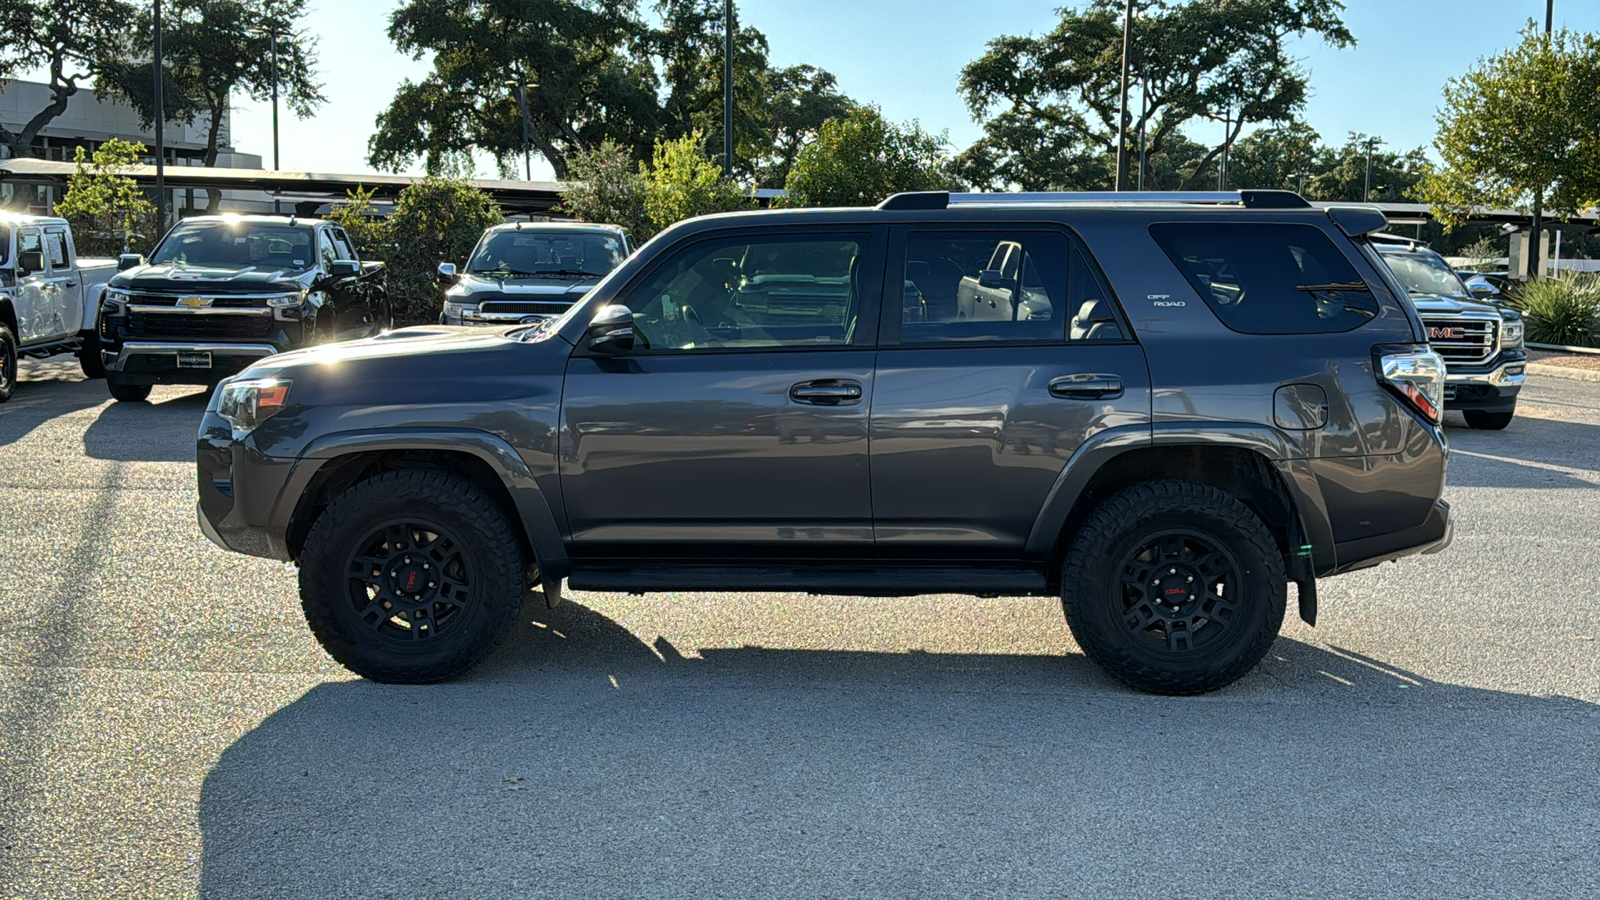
(150, 325)
(525, 307)
(1462, 340)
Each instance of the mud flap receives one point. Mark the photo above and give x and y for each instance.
(1301, 572)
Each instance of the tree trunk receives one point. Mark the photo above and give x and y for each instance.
(1535, 270)
(213, 196)
(62, 87)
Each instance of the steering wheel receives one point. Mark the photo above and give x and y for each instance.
(691, 320)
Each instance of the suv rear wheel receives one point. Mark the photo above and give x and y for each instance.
(411, 577)
(1174, 587)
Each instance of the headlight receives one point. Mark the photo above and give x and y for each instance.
(287, 300)
(1511, 332)
(114, 299)
(454, 311)
(247, 404)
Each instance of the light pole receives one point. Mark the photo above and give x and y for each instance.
(521, 85)
(272, 30)
(161, 142)
(1370, 143)
(1122, 102)
(727, 90)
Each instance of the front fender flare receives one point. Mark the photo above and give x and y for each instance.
(538, 521)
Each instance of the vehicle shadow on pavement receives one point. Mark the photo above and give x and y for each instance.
(40, 397)
(1530, 453)
(162, 430)
(583, 761)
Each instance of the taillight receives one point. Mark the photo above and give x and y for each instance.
(1417, 376)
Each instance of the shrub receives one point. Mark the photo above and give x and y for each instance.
(605, 185)
(681, 184)
(1560, 310)
(861, 159)
(435, 220)
(108, 214)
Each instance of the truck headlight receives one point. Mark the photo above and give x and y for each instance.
(1511, 332)
(287, 300)
(454, 312)
(113, 301)
(248, 403)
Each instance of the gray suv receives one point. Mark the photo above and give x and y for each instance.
(1161, 409)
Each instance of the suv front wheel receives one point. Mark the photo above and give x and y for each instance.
(1174, 587)
(412, 576)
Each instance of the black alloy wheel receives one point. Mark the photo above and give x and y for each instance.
(8, 362)
(1174, 587)
(409, 580)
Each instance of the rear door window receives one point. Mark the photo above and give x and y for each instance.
(1269, 279)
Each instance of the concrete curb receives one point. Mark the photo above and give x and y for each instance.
(1569, 372)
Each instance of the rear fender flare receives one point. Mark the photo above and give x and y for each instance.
(537, 520)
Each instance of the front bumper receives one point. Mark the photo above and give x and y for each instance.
(156, 362)
(242, 503)
(1493, 387)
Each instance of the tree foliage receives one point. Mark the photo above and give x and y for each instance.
(606, 185)
(861, 159)
(71, 39)
(435, 220)
(681, 183)
(1049, 105)
(210, 50)
(108, 213)
(1522, 130)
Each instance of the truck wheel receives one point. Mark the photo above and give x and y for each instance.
(411, 577)
(126, 392)
(8, 362)
(89, 358)
(1174, 587)
(1488, 421)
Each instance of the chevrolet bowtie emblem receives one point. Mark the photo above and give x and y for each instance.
(195, 302)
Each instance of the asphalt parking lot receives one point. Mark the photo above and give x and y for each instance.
(169, 728)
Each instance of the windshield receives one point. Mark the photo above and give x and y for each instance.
(237, 245)
(563, 254)
(1422, 272)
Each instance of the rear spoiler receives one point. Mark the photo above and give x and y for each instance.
(1356, 221)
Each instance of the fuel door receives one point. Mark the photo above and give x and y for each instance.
(1300, 407)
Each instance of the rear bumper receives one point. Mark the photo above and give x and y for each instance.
(1434, 535)
(156, 362)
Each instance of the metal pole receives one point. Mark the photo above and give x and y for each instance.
(1122, 102)
(1549, 14)
(1144, 111)
(277, 204)
(1366, 190)
(727, 90)
(527, 136)
(161, 139)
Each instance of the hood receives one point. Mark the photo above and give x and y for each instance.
(477, 288)
(179, 278)
(1445, 305)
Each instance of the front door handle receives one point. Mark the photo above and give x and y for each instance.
(1086, 386)
(831, 392)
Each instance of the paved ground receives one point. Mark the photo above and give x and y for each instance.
(168, 727)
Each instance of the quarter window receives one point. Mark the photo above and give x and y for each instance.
(1269, 279)
(750, 294)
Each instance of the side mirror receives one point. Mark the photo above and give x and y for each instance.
(30, 261)
(611, 330)
(1482, 290)
(447, 275)
(128, 261)
(344, 268)
(991, 278)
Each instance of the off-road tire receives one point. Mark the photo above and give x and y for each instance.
(8, 362)
(1482, 420)
(333, 593)
(126, 392)
(89, 358)
(1097, 580)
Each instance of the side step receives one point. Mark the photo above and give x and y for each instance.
(887, 581)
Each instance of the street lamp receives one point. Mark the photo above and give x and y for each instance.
(161, 142)
(1122, 102)
(1370, 144)
(521, 85)
(272, 30)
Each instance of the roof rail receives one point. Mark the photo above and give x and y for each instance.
(1250, 198)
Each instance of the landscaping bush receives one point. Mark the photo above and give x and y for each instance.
(108, 214)
(1560, 310)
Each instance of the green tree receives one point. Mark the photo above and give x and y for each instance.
(1522, 130)
(1342, 172)
(681, 183)
(1283, 158)
(360, 219)
(580, 62)
(1049, 105)
(861, 159)
(210, 50)
(71, 39)
(605, 185)
(108, 214)
(435, 220)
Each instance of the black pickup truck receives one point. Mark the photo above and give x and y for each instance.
(221, 292)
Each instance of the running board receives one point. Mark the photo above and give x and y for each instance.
(45, 351)
(887, 581)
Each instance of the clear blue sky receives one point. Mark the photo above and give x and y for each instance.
(906, 56)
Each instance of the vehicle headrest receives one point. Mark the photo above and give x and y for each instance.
(1095, 310)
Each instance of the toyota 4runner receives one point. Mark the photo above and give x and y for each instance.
(1177, 405)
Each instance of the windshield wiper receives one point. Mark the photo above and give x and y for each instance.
(1334, 286)
(502, 271)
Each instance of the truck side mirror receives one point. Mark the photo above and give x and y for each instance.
(344, 268)
(611, 330)
(128, 261)
(447, 275)
(30, 261)
(991, 278)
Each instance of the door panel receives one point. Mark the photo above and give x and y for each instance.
(721, 449)
(33, 291)
(967, 441)
(66, 317)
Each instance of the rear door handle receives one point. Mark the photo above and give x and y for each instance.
(1086, 386)
(830, 392)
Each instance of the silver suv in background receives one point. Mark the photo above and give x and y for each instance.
(526, 271)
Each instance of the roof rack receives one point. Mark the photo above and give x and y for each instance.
(1248, 198)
